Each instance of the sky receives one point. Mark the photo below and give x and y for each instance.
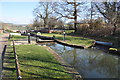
(17, 12)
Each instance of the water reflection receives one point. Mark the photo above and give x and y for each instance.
(90, 63)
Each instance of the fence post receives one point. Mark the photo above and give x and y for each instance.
(36, 39)
(64, 35)
(28, 37)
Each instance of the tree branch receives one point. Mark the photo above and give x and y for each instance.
(101, 11)
(65, 15)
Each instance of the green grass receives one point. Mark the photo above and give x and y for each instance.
(36, 61)
(10, 64)
(73, 40)
(69, 31)
(17, 37)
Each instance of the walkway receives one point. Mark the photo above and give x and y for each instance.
(3, 41)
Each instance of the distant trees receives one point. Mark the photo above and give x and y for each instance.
(36, 23)
(53, 22)
(70, 25)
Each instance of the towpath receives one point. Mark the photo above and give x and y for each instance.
(3, 41)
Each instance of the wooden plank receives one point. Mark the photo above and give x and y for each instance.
(17, 63)
(45, 41)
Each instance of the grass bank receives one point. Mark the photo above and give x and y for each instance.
(17, 37)
(113, 39)
(36, 61)
(85, 42)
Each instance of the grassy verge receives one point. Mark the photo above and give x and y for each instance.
(73, 40)
(17, 37)
(36, 61)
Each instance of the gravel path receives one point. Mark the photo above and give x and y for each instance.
(3, 41)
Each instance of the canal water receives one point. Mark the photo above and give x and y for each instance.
(91, 62)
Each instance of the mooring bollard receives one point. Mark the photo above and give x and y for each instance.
(28, 37)
(37, 39)
(9, 36)
(64, 35)
(53, 37)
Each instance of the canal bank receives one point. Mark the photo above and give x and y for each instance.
(91, 62)
(77, 42)
(67, 67)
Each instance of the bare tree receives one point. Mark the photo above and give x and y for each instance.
(111, 12)
(70, 10)
(44, 11)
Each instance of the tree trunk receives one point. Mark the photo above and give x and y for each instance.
(75, 16)
(45, 23)
(75, 27)
(114, 29)
(91, 16)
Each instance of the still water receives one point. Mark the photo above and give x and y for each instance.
(90, 63)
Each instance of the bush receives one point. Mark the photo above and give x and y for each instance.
(99, 32)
